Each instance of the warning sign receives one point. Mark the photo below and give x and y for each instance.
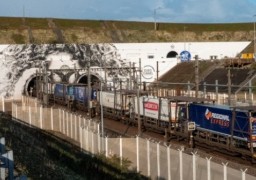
(191, 126)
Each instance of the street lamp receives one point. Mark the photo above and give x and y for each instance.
(155, 27)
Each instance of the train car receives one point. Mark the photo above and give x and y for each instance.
(157, 113)
(81, 97)
(232, 128)
(75, 96)
(116, 104)
(61, 91)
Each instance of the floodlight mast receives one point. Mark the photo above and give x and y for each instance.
(155, 23)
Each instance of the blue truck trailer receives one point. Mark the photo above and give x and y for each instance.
(75, 96)
(233, 128)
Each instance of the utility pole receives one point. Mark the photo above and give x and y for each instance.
(229, 86)
(196, 75)
(140, 72)
(254, 47)
(157, 71)
(101, 110)
(155, 23)
(45, 94)
(138, 104)
(138, 80)
(155, 26)
(89, 88)
(130, 76)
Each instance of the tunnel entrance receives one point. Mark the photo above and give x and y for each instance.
(31, 87)
(84, 80)
(172, 54)
(31, 84)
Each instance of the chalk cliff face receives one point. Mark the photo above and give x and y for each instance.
(18, 63)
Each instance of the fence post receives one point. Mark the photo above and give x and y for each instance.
(16, 111)
(22, 103)
(148, 156)
(98, 128)
(81, 137)
(67, 123)
(51, 118)
(99, 142)
(29, 115)
(75, 127)
(59, 120)
(121, 150)
(71, 125)
(243, 173)
(79, 120)
(158, 159)
(41, 117)
(225, 171)
(12, 109)
(217, 91)
(89, 123)
(84, 121)
(194, 165)
(92, 134)
(63, 122)
(106, 145)
(87, 138)
(209, 168)
(169, 163)
(3, 103)
(138, 155)
(36, 105)
(181, 162)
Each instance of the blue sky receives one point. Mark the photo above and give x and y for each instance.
(176, 11)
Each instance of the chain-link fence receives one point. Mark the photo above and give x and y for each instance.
(152, 159)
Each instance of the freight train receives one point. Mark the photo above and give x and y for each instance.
(199, 121)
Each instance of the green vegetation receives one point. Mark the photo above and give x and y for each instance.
(40, 23)
(205, 27)
(125, 31)
(64, 23)
(10, 23)
(36, 23)
(18, 38)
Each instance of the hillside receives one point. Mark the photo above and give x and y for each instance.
(31, 30)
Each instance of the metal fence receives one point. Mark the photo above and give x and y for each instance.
(152, 159)
(245, 97)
